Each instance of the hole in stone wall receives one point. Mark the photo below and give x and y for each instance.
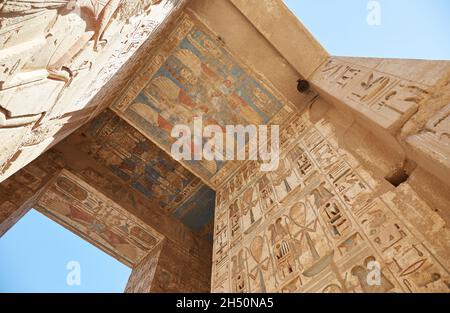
(401, 175)
(397, 177)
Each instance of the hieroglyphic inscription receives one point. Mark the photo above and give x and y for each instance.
(314, 225)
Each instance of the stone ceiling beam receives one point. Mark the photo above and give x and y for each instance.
(285, 32)
(49, 78)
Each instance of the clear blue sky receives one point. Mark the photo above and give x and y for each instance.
(34, 255)
(417, 29)
(35, 252)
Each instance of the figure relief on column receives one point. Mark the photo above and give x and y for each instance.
(40, 44)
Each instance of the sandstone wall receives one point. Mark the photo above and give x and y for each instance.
(400, 108)
(61, 65)
(317, 223)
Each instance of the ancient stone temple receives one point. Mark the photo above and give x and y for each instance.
(89, 94)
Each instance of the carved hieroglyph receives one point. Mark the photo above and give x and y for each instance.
(315, 225)
(79, 207)
(434, 140)
(386, 100)
(193, 75)
(55, 56)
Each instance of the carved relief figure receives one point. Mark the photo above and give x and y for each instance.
(285, 178)
(235, 220)
(251, 211)
(238, 272)
(320, 195)
(199, 77)
(313, 248)
(302, 162)
(260, 261)
(347, 183)
(309, 242)
(48, 48)
(283, 250)
(267, 196)
(336, 219)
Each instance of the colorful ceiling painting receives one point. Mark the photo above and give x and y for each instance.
(194, 75)
(148, 169)
(198, 220)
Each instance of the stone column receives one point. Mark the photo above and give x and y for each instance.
(143, 275)
(168, 269)
(18, 193)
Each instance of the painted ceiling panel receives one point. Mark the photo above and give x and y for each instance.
(194, 75)
(148, 169)
(189, 213)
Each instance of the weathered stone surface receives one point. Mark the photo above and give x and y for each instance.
(19, 192)
(166, 269)
(147, 209)
(316, 223)
(285, 32)
(431, 146)
(142, 278)
(386, 100)
(240, 35)
(54, 60)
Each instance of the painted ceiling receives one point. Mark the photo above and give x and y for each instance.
(151, 171)
(194, 75)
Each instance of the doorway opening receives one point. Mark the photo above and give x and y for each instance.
(39, 255)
